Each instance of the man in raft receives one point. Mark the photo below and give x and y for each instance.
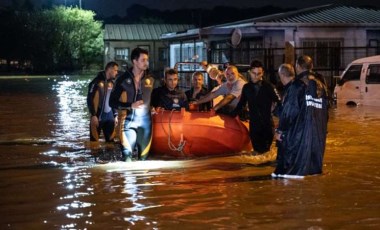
(103, 117)
(198, 91)
(132, 93)
(169, 96)
(231, 91)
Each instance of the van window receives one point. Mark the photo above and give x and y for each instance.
(352, 74)
(373, 74)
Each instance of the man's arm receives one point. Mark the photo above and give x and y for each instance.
(116, 93)
(92, 89)
(225, 101)
(242, 103)
(206, 98)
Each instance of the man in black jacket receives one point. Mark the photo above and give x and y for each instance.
(169, 96)
(261, 97)
(198, 91)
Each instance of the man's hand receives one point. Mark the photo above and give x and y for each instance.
(156, 110)
(116, 121)
(137, 104)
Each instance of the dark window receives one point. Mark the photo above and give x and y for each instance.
(325, 52)
(373, 74)
(352, 74)
(162, 54)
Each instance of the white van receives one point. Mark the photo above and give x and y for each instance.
(359, 84)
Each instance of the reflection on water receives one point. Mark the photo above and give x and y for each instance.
(50, 179)
(72, 115)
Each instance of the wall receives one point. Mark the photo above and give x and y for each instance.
(155, 64)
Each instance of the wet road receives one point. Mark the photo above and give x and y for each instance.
(49, 178)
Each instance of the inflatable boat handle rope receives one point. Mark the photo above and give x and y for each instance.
(181, 144)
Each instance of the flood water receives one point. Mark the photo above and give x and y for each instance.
(49, 178)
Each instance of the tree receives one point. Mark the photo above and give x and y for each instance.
(78, 38)
(50, 40)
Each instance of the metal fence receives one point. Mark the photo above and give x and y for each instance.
(328, 61)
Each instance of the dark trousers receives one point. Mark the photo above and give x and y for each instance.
(108, 128)
(261, 136)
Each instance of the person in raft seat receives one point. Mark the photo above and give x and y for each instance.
(231, 91)
(198, 91)
(169, 96)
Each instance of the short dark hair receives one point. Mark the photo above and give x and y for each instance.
(111, 64)
(305, 62)
(136, 53)
(170, 72)
(256, 64)
(197, 73)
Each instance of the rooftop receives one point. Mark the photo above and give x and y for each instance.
(141, 31)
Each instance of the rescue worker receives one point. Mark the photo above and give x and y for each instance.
(303, 141)
(103, 117)
(131, 94)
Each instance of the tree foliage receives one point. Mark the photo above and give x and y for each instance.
(78, 37)
(56, 39)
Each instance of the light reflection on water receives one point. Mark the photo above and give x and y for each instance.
(50, 179)
(72, 115)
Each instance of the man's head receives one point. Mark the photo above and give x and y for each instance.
(111, 69)
(232, 73)
(304, 63)
(286, 73)
(140, 58)
(197, 80)
(220, 79)
(204, 65)
(256, 71)
(171, 79)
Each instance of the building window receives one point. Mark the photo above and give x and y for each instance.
(326, 53)
(122, 54)
(162, 54)
(373, 74)
(187, 52)
(189, 55)
(223, 52)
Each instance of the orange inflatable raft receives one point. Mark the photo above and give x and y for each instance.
(195, 134)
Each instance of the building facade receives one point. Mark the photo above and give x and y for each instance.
(333, 35)
(121, 39)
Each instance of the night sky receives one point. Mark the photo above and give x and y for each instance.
(118, 7)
